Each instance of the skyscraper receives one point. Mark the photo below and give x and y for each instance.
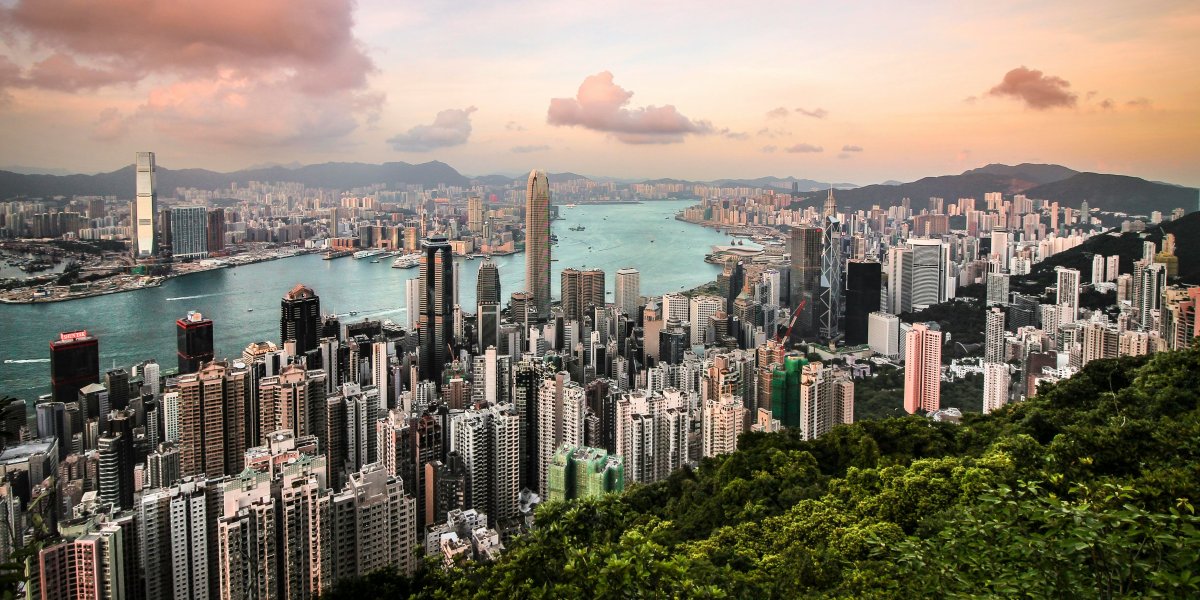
(996, 381)
(830, 306)
(863, 286)
(994, 336)
(74, 363)
(1067, 294)
(928, 274)
(703, 309)
(194, 342)
(805, 279)
(628, 293)
(437, 308)
(581, 290)
(922, 369)
(300, 318)
(537, 242)
(487, 288)
(216, 230)
(475, 214)
(189, 232)
(145, 207)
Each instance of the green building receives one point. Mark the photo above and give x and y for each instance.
(785, 391)
(582, 471)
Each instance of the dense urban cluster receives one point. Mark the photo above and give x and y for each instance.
(346, 447)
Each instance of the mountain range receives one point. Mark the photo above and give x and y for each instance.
(1113, 193)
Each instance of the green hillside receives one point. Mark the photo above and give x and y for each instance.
(1126, 245)
(1085, 491)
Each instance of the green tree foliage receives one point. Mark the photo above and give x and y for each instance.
(1083, 492)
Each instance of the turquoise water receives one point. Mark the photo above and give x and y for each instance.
(244, 301)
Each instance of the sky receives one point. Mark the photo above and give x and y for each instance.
(857, 92)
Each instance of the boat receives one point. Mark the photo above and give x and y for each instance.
(353, 312)
(361, 254)
(249, 310)
(407, 261)
(577, 228)
(470, 257)
(375, 261)
(332, 254)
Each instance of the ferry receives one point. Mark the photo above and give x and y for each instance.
(361, 254)
(407, 261)
(332, 254)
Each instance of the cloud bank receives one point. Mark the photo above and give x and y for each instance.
(601, 105)
(267, 72)
(1036, 90)
(451, 127)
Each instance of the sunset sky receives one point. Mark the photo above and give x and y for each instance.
(860, 92)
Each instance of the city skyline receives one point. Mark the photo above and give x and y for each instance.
(1105, 89)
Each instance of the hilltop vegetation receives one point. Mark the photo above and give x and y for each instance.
(1082, 492)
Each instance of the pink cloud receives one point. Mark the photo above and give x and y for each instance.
(265, 72)
(451, 127)
(601, 105)
(1038, 91)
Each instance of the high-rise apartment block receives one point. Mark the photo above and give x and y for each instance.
(189, 232)
(922, 369)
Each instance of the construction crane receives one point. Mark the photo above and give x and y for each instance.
(792, 323)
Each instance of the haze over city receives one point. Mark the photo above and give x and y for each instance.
(862, 93)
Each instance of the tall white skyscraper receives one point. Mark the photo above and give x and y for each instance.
(703, 308)
(628, 290)
(537, 242)
(145, 206)
(1067, 294)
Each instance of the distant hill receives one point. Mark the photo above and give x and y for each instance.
(950, 187)
(1114, 193)
(1126, 245)
(329, 175)
(1032, 172)
(1118, 193)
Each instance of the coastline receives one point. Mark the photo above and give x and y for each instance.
(131, 283)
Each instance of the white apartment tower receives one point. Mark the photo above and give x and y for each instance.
(628, 290)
